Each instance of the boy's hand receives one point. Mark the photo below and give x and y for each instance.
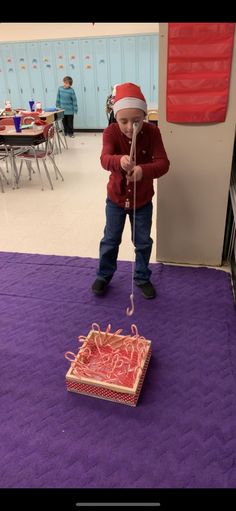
(125, 163)
(136, 174)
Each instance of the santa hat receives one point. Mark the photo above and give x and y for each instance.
(129, 95)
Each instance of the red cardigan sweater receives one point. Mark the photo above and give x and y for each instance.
(150, 156)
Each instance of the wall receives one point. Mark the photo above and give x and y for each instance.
(192, 197)
(32, 31)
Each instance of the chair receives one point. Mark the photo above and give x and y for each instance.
(33, 154)
(3, 157)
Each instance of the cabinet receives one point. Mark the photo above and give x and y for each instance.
(11, 75)
(23, 74)
(35, 70)
(48, 68)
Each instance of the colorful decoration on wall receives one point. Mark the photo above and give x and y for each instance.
(88, 66)
(61, 66)
(45, 59)
(34, 66)
(60, 56)
(9, 59)
(22, 59)
(198, 71)
(10, 69)
(102, 61)
(34, 60)
(23, 66)
(48, 65)
(87, 57)
(72, 57)
(72, 66)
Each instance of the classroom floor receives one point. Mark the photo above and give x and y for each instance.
(70, 219)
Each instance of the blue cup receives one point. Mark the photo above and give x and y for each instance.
(31, 104)
(17, 122)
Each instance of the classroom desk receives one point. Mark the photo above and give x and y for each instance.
(49, 117)
(12, 139)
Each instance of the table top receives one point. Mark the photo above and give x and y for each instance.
(10, 130)
(27, 113)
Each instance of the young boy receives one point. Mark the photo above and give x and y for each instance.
(151, 163)
(66, 100)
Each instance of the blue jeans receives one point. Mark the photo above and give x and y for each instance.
(109, 245)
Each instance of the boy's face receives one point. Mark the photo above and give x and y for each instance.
(126, 117)
(66, 85)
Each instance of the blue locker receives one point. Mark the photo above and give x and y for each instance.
(48, 72)
(74, 70)
(115, 67)
(143, 50)
(89, 93)
(60, 61)
(34, 63)
(129, 71)
(103, 86)
(154, 68)
(4, 94)
(23, 74)
(9, 66)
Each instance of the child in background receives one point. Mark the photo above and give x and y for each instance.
(151, 163)
(66, 100)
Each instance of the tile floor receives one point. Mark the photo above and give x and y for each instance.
(70, 219)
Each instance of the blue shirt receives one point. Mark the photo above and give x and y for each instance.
(66, 100)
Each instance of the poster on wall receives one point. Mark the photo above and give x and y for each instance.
(198, 71)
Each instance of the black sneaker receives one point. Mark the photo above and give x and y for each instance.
(99, 287)
(147, 289)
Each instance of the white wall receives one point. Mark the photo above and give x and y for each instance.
(192, 197)
(35, 31)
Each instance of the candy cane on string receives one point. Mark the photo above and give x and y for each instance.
(130, 311)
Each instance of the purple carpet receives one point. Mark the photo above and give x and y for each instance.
(181, 434)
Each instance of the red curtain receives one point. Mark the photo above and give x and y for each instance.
(198, 71)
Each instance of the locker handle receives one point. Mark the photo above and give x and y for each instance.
(9, 91)
(33, 90)
(154, 87)
(21, 91)
(46, 89)
(97, 88)
(84, 89)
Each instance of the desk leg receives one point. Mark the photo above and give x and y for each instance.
(62, 139)
(14, 172)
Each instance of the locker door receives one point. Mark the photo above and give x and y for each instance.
(154, 68)
(9, 66)
(74, 70)
(115, 67)
(129, 73)
(60, 59)
(143, 47)
(103, 86)
(4, 94)
(34, 63)
(23, 74)
(89, 92)
(48, 71)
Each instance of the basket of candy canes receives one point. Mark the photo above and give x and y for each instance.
(109, 365)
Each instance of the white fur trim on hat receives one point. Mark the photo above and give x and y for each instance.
(129, 103)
